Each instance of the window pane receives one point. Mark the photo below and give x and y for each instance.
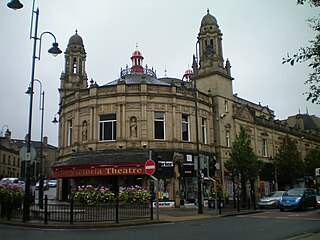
(159, 115)
(107, 131)
(184, 118)
(107, 127)
(114, 130)
(107, 117)
(159, 130)
(101, 132)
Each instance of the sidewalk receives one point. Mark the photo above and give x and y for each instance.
(165, 215)
(191, 213)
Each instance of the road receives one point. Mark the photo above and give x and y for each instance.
(269, 225)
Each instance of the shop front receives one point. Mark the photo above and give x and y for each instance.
(101, 170)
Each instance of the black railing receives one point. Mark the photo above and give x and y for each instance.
(146, 70)
(74, 212)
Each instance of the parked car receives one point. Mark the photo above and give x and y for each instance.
(271, 200)
(298, 198)
(45, 185)
(318, 200)
(9, 180)
(22, 183)
(53, 183)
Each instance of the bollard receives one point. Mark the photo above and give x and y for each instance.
(117, 210)
(71, 210)
(46, 209)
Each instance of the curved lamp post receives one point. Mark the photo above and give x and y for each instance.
(15, 4)
(2, 129)
(197, 156)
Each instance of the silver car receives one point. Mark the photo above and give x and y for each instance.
(271, 200)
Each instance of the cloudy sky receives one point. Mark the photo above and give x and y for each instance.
(257, 34)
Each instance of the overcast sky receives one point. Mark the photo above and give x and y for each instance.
(257, 34)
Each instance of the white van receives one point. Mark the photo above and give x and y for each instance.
(9, 181)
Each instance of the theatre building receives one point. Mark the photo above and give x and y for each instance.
(107, 132)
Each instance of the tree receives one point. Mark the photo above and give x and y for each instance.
(315, 3)
(288, 163)
(310, 54)
(312, 161)
(243, 163)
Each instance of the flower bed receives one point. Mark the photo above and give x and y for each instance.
(91, 195)
(11, 191)
(134, 194)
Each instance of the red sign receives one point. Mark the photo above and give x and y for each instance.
(97, 171)
(150, 167)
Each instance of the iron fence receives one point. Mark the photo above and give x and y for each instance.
(75, 212)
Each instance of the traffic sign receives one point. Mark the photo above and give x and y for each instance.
(150, 167)
(27, 156)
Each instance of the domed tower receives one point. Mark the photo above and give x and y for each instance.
(74, 76)
(187, 76)
(137, 59)
(210, 46)
(213, 73)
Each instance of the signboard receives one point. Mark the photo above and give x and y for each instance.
(95, 171)
(164, 204)
(27, 156)
(150, 167)
(165, 163)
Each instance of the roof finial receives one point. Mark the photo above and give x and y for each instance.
(208, 10)
(165, 70)
(136, 45)
(76, 31)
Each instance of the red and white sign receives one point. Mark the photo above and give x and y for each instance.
(150, 167)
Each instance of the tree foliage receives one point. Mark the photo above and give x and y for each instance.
(243, 163)
(288, 162)
(312, 161)
(315, 3)
(310, 54)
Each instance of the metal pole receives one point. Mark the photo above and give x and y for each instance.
(157, 199)
(195, 73)
(26, 203)
(40, 196)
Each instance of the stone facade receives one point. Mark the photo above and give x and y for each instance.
(140, 113)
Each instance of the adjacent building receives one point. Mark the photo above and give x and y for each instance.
(12, 165)
(108, 132)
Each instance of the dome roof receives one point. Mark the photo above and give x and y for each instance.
(75, 40)
(188, 72)
(208, 19)
(137, 53)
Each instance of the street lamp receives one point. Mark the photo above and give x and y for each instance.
(2, 129)
(55, 120)
(14, 4)
(41, 108)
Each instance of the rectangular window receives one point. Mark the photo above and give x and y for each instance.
(185, 127)
(107, 127)
(159, 124)
(4, 159)
(225, 106)
(264, 148)
(9, 160)
(204, 130)
(69, 137)
(228, 138)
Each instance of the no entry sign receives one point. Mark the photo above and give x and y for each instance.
(150, 167)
